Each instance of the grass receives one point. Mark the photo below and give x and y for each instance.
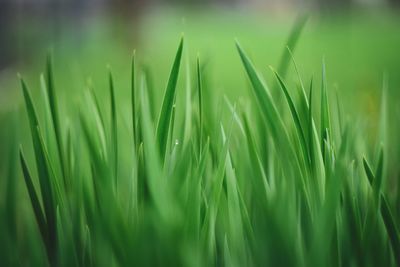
(280, 178)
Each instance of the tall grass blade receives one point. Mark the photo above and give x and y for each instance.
(158, 190)
(291, 43)
(296, 118)
(133, 99)
(263, 97)
(368, 171)
(168, 101)
(273, 119)
(51, 92)
(391, 228)
(200, 96)
(37, 210)
(43, 173)
(114, 129)
(325, 117)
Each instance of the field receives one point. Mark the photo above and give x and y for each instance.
(219, 139)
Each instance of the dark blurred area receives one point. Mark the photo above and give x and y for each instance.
(26, 24)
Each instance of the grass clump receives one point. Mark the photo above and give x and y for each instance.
(279, 179)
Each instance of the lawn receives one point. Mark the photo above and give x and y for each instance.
(211, 143)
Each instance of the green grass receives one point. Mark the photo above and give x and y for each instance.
(279, 178)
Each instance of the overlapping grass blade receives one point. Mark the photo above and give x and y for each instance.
(208, 228)
(37, 209)
(43, 173)
(302, 88)
(274, 121)
(375, 179)
(51, 91)
(325, 117)
(368, 171)
(264, 98)
(260, 181)
(158, 190)
(296, 118)
(391, 228)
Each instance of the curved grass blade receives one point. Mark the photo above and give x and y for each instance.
(273, 119)
(199, 88)
(296, 118)
(159, 191)
(375, 179)
(391, 228)
(52, 198)
(325, 117)
(37, 210)
(43, 172)
(53, 182)
(368, 171)
(194, 198)
(172, 123)
(263, 97)
(310, 125)
(55, 114)
(339, 114)
(208, 231)
(377, 185)
(235, 219)
(98, 118)
(188, 118)
(260, 181)
(291, 44)
(168, 101)
(114, 129)
(387, 216)
(303, 91)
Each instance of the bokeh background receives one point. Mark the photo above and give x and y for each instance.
(358, 39)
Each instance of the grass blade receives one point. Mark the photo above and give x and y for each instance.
(263, 97)
(168, 101)
(114, 129)
(325, 117)
(273, 119)
(51, 92)
(291, 44)
(199, 88)
(391, 229)
(375, 179)
(368, 171)
(133, 99)
(295, 116)
(37, 210)
(39, 156)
